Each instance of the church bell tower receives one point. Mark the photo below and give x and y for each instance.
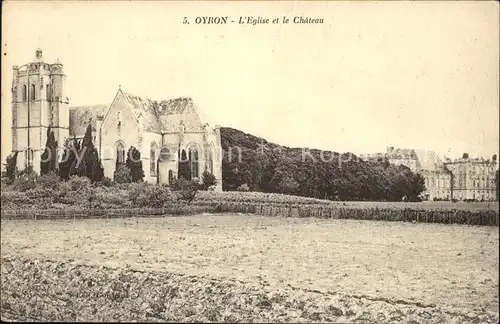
(38, 101)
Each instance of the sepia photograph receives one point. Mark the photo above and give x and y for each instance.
(250, 161)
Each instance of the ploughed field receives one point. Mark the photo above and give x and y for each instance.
(450, 266)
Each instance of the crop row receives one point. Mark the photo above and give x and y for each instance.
(489, 218)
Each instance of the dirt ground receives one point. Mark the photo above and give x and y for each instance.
(450, 266)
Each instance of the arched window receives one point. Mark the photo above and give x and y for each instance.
(120, 153)
(153, 157)
(48, 92)
(170, 176)
(25, 92)
(193, 162)
(28, 155)
(210, 160)
(32, 90)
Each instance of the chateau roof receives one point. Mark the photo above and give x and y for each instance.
(407, 154)
(429, 160)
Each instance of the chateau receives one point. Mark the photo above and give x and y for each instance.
(460, 179)
(165, 132)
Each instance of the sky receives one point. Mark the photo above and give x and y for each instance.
(421, 75)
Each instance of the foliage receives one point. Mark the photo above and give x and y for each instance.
(107, 182)
(268, 167)
(154, 196)
(186, 190)
(244, 187)
(75, 183)
(89, 165)
(184, 170)
(72, 148)
(48, 161)
(134, 163)
(11, 168)
(207, 180)
(49, 181)
(122, 174)
(26, 180)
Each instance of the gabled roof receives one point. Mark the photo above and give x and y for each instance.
(165, 115)
(154, 116)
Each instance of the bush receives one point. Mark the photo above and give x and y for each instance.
(244, 187)
(75, 183)
(107, 197)
(15, 200)
(207, 180)
(151, 196)
(185, 190)
(49, 181)
(122, 174)
(107, 182)
(26, 180)
(10, 169)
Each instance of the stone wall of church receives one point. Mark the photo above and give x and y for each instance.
(120, 126)
(150, 141)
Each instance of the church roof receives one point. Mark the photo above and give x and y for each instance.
(165, 115)
(81, 116)
(154, 116)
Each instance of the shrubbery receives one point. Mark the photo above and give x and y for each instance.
(244, 187)
(207, 180)
(153, 196)
(49, 181)
(26, 180)
(185, 189)
(122, 174)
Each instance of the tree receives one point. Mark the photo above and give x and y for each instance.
(48, 161)
(417, 187)
(89, 165)
(183, 166)
(207, 180)
(72, 148)
(270, 167)
(122, 174)
(134, 163)
(11, 167)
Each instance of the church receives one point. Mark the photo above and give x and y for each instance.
(165, 132)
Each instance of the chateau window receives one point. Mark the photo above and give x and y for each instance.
(152, 159)
(33, 96)
(25, 92)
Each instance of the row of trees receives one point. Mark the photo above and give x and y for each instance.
(269, 167)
